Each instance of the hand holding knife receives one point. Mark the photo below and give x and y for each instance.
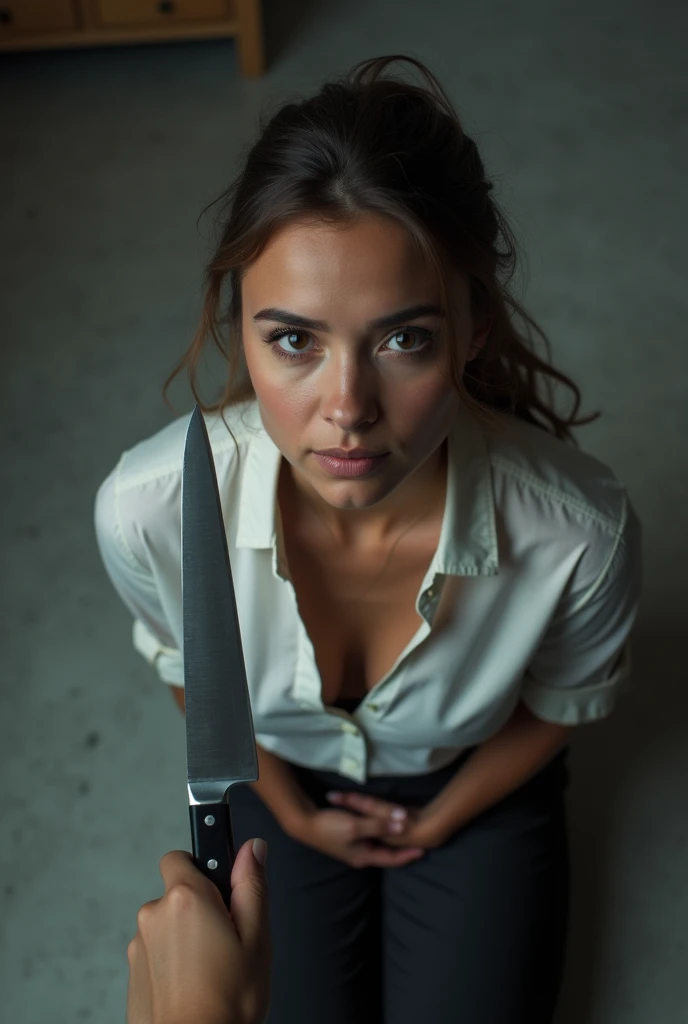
(200, 954)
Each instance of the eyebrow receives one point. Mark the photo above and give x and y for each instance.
(283, 316)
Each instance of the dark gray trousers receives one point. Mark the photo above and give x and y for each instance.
(472, 933)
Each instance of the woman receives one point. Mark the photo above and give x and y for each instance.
(427, 612)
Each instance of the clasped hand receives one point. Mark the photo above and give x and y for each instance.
(404, 826)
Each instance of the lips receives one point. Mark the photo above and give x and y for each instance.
(350, 453)
(351, 466)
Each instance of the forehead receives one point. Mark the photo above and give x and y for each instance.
(371, 255)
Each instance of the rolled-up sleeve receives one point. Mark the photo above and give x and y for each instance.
(585, 656)
(135, 583)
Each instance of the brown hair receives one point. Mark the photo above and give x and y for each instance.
(368, 144)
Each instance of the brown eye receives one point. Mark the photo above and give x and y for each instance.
(292, 334)
(417, 334)
(285, 332)
(401, 334)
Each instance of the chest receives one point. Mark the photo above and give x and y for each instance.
(359, 609)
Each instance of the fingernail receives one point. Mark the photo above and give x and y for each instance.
(396, 826)
(398, 813)
(260, 850)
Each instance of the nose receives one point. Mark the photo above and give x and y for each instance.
(349, 393)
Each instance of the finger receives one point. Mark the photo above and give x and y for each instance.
(396, 826)
(177, 866)
(249, 901)
(378, 856)
(366, 804)
(394, 858)
(368, 828)
(139, 1000)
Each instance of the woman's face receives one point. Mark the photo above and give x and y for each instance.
(345, 383)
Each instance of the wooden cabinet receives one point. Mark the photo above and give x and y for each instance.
(155, 12)
(40, 24)
(36, 16)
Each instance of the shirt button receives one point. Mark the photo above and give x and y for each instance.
(351, 764)
(349, 727)
(373, 707)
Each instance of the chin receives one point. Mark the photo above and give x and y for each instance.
(353, 494)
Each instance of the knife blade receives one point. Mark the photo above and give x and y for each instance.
(220, 739)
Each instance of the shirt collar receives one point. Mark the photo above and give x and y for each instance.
(468, 539)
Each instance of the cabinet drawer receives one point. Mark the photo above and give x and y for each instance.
(118, 13)
(35, 16)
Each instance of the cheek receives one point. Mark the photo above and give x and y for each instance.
(428, 401)
(283, 395)
(279, 404)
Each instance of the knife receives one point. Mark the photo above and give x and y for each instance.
(220, 741)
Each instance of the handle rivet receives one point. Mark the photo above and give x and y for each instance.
(209, 819)
(212, 864)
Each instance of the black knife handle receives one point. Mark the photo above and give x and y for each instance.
(213, 844)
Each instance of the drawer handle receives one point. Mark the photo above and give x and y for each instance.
(166, 7)
(5, 16)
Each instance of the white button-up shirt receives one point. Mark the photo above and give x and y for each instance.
(530, 595)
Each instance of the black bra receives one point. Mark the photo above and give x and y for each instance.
(347, 703)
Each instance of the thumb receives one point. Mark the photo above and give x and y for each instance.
(249, 902)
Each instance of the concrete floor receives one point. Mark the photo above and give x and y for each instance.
(580, 111)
